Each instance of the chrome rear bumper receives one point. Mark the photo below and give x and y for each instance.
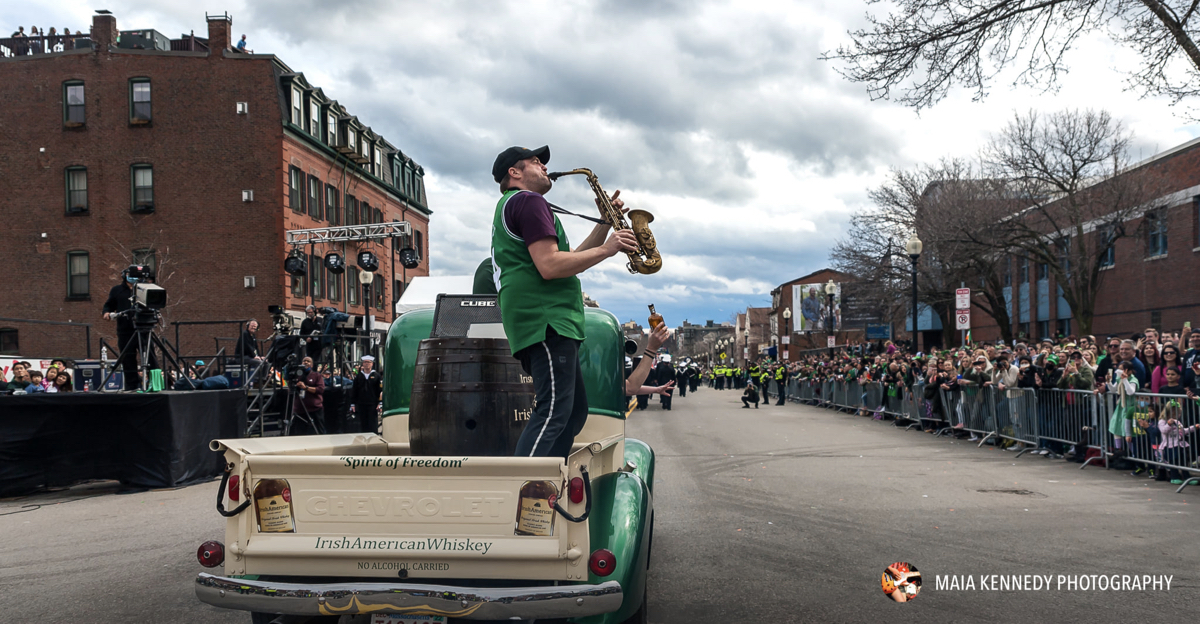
(472, 603)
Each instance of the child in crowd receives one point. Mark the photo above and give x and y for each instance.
(1174, 440)
(35, 382)
(1124, 384)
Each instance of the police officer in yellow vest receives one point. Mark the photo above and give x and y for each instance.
(781, 377)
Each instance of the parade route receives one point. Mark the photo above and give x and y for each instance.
(780, 514)
(791, 514)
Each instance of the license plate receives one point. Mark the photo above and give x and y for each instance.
(384, 618)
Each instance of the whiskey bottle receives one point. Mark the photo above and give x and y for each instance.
(656, 319)
(535, 509)
(273, 506)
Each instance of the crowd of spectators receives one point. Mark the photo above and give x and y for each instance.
(24, 378)
(1156, 366)
(40, 41)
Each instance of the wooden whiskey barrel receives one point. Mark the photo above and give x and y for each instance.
(469, 397)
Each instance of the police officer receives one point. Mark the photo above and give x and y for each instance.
(665, 372)
(781, 379)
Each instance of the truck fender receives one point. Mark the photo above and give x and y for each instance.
(620, 522)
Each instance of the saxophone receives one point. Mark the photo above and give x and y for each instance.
(645, 259)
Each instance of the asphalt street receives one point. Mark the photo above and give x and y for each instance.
(781, 514)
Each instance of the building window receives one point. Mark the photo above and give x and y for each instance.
(1155, 318)
(1008, 272)
(1023, 331)
(1063, 327)
(314, 197)
(9, 341)
(1108, 236)
(1156, 233)
(377, 165)
(352, 285)
(351, 139)
(142, 177)
(1043, 273)
(296, 189)
(147, 258)
(419, 243)
(1044, 329)
(73, 104)
(316, 273)
(377, 292)
(397, 290)
(331, 205)
(335, 286)
(366, 152)
(351, 210)
(1023, 270)
(364, 212)
(77, 275)
(139, 101)
(331, 129)
(77, 197)
(297, 107)
(1063, 247)
(378, 216)
(298, 282)
(314, 118)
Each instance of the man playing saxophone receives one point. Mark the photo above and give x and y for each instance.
(541, 301)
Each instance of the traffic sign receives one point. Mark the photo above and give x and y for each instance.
(832, 340)
(962, 319)
(962, 298)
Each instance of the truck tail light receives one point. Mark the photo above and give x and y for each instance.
(602, 562)
(211, 554)
(235, 492)
(575, 490)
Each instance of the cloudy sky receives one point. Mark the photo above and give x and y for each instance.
(716, 116)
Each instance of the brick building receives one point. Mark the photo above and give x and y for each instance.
(195, 158)
(792, 333)
(1146, 278)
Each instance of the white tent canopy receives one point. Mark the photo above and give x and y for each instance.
(422, 292)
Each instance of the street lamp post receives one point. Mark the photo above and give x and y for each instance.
(746, 346)
(830, 290)
(913, 248)
(787, 331)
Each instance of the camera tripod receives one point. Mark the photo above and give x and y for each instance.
(144, 340)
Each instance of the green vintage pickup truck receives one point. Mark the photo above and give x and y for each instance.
(357, 528)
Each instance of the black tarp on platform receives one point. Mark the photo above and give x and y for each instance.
(142, 440)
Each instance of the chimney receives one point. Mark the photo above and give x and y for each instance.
(220, 31)
(104, 31)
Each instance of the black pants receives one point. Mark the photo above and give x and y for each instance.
(665, 400)
(129, 361)
(561, 404)
(642, 401)
(720, 383)
(692, 384)
(367, 418)
(746, 402)
(782, 391)
(682, 388)
(300, 426)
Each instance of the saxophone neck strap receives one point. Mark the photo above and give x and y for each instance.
(561, 210)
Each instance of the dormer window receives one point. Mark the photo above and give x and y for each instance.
(314, 118)
(331, 128)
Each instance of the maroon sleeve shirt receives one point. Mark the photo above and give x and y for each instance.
(527, 215)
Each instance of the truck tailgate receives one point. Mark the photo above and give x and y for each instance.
(392, 516)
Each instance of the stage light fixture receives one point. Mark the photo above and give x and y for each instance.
(367, 261)
(295, 264)
(409, 258)
(334, 263)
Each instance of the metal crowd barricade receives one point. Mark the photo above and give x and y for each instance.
(974, 409)
(1070, 417)
(1151, 438)
(1016, 417)
(872, 398)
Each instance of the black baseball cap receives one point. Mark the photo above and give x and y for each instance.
(513, 155)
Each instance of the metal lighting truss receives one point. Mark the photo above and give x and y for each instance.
(340, 233)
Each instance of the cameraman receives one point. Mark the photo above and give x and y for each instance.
(310, 329)
(309, 400)
(117, 306)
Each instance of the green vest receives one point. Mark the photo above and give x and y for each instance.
(528, 303)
